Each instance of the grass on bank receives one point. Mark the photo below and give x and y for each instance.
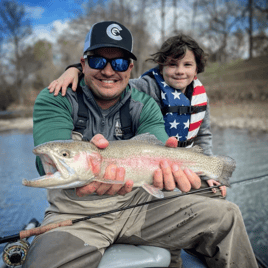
(237, 81)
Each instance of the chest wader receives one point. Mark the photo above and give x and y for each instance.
(125, 117)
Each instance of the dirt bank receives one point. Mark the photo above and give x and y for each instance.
(252, 116)
(21, 124)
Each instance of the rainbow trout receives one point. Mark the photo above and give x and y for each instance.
(70, 163)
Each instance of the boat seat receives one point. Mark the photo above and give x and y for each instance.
(130, 256)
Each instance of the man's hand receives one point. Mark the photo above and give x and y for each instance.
(111, 173)
(70, 76)
(169, 177)
(223, 189)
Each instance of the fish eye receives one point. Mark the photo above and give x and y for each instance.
(65, 153)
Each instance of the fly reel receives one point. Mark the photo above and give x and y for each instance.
(14, 253)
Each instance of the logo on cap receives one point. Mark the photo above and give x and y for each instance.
(113, 31)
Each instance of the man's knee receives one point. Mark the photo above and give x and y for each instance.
(61, 249)
(224, 213)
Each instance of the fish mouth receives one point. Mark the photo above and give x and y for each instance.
(58, 174)
(52, 164)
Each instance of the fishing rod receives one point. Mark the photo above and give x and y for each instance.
(16, 249)
(42, 229)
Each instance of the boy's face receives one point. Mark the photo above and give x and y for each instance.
(180, 73)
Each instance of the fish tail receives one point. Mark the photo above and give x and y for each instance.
(229, 166)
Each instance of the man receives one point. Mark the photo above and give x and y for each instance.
(212, 228)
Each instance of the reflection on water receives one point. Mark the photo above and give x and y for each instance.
(18, 204)
(251, 154)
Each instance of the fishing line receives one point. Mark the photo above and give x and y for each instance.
(250, 179)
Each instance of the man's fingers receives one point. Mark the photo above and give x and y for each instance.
(210, 184)
(127, 188)
(158, 179)
(110, 174)
(181, 179)
(99, 141)
(193, 178)
(167, 175)
(87, 189)
(120, 176)
(223, 190)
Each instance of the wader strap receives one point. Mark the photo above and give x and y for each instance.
(184, 109)
(81, 123)
(125, 118)
(185, 143)
(126, 121)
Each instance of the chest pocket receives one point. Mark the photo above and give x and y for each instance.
(82, 118)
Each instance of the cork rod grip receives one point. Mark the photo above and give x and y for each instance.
(43, 229)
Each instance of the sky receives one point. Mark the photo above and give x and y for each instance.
(48, 14)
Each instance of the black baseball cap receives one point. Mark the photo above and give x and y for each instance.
(109, 34)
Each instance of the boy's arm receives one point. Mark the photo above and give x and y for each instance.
(69, 78)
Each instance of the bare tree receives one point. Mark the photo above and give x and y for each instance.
(15, 27)
(250, 29)
(221, 18)
(262, 6)
(175, 20)
(163, 17)
(42, 64)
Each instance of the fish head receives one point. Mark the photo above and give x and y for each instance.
(74, 162)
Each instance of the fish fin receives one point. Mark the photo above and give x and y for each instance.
(149, 138)
(229, 166)
(108, 181)
(156, 192)
(177, 190)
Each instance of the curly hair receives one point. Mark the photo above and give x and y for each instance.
(175, 48)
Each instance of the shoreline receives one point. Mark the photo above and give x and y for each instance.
(251, 116)
(21, 124)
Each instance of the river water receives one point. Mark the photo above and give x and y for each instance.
(19, 204)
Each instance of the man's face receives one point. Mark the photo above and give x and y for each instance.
(106, 84)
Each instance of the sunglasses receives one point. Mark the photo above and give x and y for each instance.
(118, 64)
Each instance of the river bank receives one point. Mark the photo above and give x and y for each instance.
(251, 116)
